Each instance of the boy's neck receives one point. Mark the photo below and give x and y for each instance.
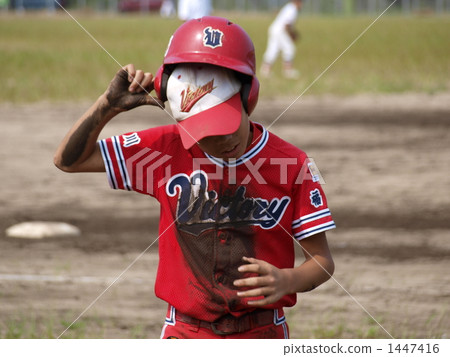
(250, 134)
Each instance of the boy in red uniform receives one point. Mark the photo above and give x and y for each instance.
(233, 196)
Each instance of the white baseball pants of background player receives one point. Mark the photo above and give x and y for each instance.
(279, 41)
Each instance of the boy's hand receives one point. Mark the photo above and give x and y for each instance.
(272, 283)
(131, 88)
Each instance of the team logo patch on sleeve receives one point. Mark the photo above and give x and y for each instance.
(130, 140)
(313, 169)
(316, 198)
(213, 37)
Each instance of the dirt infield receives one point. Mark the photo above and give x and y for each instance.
(386, 163)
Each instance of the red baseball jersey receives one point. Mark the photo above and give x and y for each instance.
(215, 212)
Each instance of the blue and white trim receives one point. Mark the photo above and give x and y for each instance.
(121, 162)
(277, 320)
(310, 218)
(171, 319)
(247, 156)
(314, 230)
(108, 164)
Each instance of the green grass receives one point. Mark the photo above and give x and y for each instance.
(332, 325)
(396, 54)
(40, 327)
(53, 59)
(51, 327)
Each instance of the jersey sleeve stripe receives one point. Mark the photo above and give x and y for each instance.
(108, 164)
(314, 230)
(121, 163)
(310, 218)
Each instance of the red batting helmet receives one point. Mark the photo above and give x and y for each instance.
(217, 41)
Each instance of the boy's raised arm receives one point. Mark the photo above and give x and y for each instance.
(78, 151)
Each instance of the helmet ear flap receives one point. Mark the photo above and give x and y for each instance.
(160, 82)
(249, 92)
(157, 83)
(253, 95)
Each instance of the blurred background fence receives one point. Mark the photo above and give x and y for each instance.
(310, 7)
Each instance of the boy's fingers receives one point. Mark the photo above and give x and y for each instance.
(262, 302)
(146, 82)
(249, 268)
(136, 84)
(253, 292)
(131, 71)
(148, 99)
(255, 281)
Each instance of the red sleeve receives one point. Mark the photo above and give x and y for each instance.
(312, 214)
(134, 161)
(115, 163)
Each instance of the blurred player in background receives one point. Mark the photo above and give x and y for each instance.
(282, 37)
(193, 9)
(167, 9)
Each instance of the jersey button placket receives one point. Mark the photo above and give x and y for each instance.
(223, 238)
(219, 277)
(221, 263)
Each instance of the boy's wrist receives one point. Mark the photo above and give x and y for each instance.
(292, 280)
(105, 108)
